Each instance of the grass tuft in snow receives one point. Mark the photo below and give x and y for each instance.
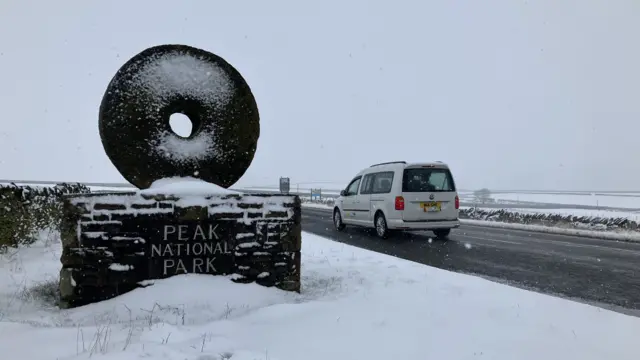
(45, 292)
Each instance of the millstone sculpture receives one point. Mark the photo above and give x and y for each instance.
(168, 79)
(116, 242)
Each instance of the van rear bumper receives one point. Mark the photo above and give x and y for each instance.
(397, 224)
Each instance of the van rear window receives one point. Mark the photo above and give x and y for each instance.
(427, 180)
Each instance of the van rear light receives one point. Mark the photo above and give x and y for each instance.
(457, 202)
(399, 203)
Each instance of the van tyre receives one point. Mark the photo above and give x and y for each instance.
(381, 226)
(337, 220)
(442, 234)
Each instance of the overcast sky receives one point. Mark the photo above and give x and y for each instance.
(512, 94)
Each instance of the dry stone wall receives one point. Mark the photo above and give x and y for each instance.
(116, 242)
(556, 220)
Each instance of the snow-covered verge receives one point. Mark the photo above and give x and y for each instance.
(355, 304)
(620, 229)
(629, 200)
(324, 202)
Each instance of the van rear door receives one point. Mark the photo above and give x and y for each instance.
(429, 193)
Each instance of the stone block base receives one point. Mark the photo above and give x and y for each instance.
(115, 242)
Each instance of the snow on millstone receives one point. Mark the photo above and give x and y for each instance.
(161, 79)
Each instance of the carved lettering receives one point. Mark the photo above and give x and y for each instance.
(197, 264)
(187, 232)
(168, 251)
(155, 250)
(199, 233)
(175, 267)
(180, 268)
(210, 266)
(168, 263)
(196, 249)
(190, 248)
(212, 232)
(182, 229)
(167, 232)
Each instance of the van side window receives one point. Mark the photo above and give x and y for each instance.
(382, 182)
(352, 189)
(367, 182)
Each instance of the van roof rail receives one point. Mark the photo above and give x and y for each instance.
(390, 162)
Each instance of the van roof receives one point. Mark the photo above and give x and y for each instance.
(403, 164)
(389, 163)
(438, 164)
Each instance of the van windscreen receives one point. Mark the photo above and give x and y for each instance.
(427, 180)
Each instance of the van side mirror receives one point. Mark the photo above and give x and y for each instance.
(343, 193)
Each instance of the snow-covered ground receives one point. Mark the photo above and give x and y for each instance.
(355, 304)
(630, 201)
(317, 205)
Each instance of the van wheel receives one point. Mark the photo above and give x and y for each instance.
(337, 220)
(442, 234)
(381, 226)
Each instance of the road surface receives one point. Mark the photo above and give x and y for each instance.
(601, 272)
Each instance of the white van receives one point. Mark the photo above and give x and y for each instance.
(400, 196)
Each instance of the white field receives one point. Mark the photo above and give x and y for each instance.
(355, 304)
(630, 201)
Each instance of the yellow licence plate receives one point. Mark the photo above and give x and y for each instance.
(432, 206)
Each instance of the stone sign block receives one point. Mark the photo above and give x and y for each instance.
(116, 242)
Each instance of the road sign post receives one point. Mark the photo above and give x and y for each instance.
(316, 194)
(285, 185)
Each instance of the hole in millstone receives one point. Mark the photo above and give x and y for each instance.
(181, 125)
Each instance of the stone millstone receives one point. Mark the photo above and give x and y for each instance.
(168, 79)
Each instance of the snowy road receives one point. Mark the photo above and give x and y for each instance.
(603, 272)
